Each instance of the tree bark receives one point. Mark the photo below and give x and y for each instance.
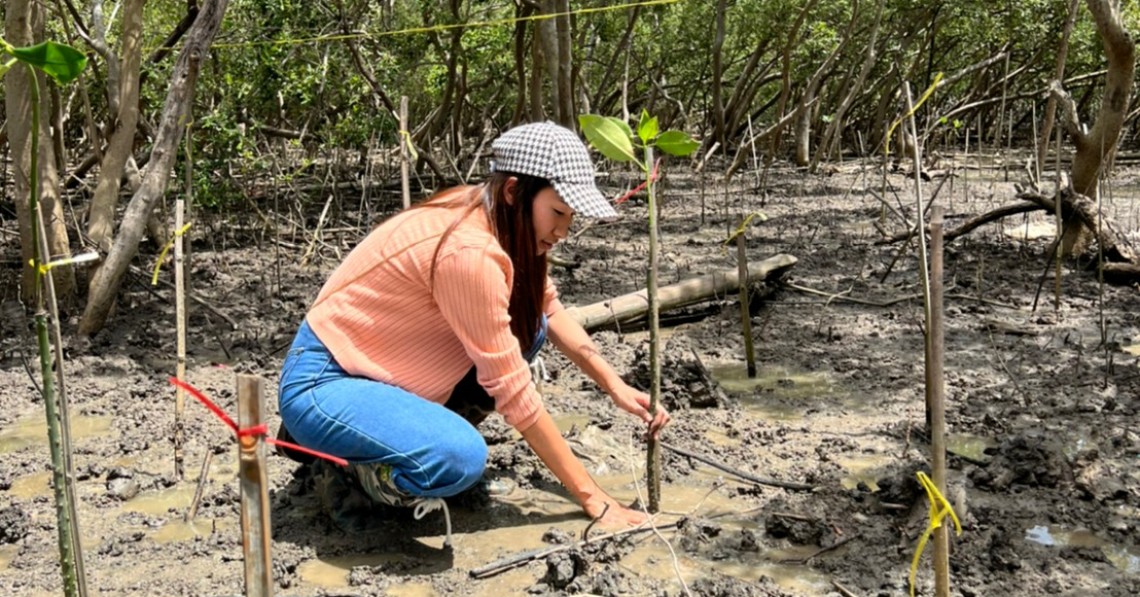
(1059, 75)
(23, 26)
(101, 216)
(786, 85)
(565, 97)
(805, 114)
(832, 138)
(547, 32)
(108, 278)
(718, 74)
(1094, 147)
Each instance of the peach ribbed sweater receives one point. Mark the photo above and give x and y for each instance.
(380, 317)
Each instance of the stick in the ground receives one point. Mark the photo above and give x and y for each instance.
(525, 557)
(741, 474)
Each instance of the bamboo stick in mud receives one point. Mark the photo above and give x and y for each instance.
(255, 535)
(745, 316)
(936, 399)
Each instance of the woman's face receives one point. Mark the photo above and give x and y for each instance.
(552, 218)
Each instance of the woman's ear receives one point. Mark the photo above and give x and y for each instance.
(510, 189)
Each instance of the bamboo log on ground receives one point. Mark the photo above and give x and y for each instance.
(718, 285)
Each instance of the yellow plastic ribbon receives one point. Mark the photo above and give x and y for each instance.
(162, 255)
(925, 95)
(744, 226)
(44, 268)
(406, 138)
(939, 508)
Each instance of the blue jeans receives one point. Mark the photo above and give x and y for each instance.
(433, 451)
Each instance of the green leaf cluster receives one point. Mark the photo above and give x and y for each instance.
(615, 140)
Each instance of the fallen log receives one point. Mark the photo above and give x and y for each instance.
(633, 306)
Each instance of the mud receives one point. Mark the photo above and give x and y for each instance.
(1042, 406)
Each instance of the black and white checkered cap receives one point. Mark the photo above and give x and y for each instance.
(553, 152)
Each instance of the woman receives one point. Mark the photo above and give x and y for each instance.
(428, 325)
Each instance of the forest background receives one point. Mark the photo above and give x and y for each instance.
(279, 94)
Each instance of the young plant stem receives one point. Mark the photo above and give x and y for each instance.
(70, 551)
(653, 453)
(745, 315)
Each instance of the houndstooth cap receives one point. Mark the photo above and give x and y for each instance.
(553, 152)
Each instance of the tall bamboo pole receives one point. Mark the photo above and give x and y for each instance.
(255, 535)
(180, 313)
(935, 391)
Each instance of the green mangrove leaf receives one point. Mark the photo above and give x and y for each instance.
(677, 143)
(607, 136)
(59, 61)
(647, 127)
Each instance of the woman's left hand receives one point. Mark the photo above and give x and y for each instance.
(636, 402)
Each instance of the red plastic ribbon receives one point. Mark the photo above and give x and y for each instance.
(638, 188)
(255, 431)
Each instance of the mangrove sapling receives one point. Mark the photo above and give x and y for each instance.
(615, 140)
(63, 64)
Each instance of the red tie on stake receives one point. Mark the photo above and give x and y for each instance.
(638, 188)
(257, 430)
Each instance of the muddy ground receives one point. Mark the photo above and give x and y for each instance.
(1042, 407)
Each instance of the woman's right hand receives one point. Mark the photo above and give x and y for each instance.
(615, 515)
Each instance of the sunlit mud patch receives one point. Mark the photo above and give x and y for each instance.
(865, 469)
(1031, 230)
(780, 393)
(31, 430)
(332, 572)
(1126, 559)
(971, 447)
(7, 553)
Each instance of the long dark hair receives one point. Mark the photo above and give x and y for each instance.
(513, 225)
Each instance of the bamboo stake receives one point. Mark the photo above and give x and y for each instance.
(653, 450)
(405, 139)
(1060, 228)
(255, 536)
(745, 316)
(180, 316)
(203, 477)
(935, 391)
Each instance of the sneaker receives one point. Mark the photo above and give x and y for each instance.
(376, 480)
(500, 487)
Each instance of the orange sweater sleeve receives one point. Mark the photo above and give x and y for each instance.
(472, 288)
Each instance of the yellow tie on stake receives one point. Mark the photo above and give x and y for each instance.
(162, 255)
(44, 268)
(925, 96)
(744, 226)
(939, 508)
(407, 139)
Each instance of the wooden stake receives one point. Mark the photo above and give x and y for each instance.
(180, 317)
(255, 535)
(405, 139)
(935, 392)
(653, 448)
(745, 315)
